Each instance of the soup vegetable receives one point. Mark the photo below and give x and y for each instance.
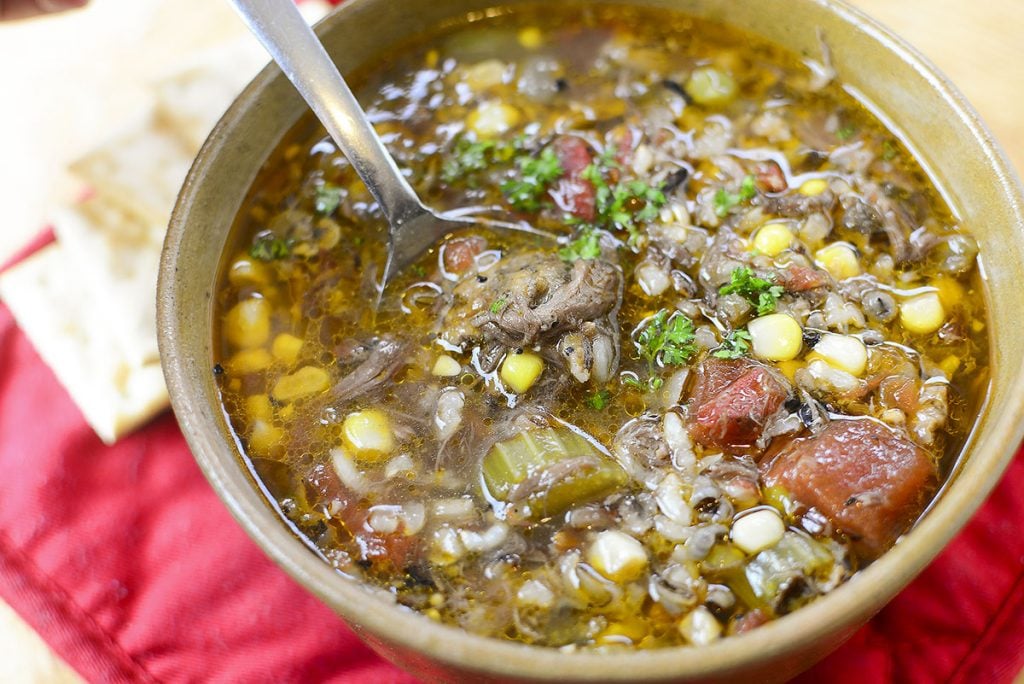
(739, 376)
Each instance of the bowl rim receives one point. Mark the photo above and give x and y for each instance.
(371, 612)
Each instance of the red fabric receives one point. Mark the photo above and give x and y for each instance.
(127, 564)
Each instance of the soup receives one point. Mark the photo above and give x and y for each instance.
(739, 375)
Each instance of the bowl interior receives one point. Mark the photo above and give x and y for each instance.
(890, 78)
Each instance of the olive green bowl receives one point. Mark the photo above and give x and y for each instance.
(892, 79)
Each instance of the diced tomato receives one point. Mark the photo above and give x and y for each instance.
(459, 253)
(869, 480)
(572, 193)
(769, 177)
(732, 402)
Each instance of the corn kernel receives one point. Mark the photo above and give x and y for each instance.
(247, 271)
(839, 259)
(711, 87)
(845, 352)
(258, 406)
(249, 361)
(431, 59)
(286, 348)
(520, 371)
(775, 337)
(286, 412)
(951, 293)
(758, 530)
(484, 75)
(247, 324)
(626, 632)
(950, 365)
(300, 384)
(813, 187)
(700, 627)
(264, 437)
(922, 314)
(446, 367)
(368, 435)
(530, 37)
(977, 326)
(493, 119)
(617, 556)
(773, 238)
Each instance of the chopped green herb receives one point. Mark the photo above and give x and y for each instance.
(846, 132)
(599, 400)
(526, 192)
(889, 150)
(624, 206)
(666, 339)
(470, 156)
(735, 345)
(586, 246)
(327, 199)
(724, 201)
(418, 270)
(268, 247)
(762, 293)
(498, 305)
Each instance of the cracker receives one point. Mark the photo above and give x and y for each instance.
(63, 323)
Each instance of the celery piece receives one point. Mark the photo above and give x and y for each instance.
(795, 556)
(725, 564)
(550, 470)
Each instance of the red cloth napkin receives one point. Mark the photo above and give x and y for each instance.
(127, 564)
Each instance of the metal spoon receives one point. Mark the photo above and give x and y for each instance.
(414, 227)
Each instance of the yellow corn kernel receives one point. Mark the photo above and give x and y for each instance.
(258, 406)
(247, 324)
(775, 337)
(813, 187)
(951, 292)
(247, 271)
(530, 37)
(520, 371)
(950, 365)
(839, 259)
(493, 119)
(446, 367)
(286, 348)
(789, 368)
(617, 556)
(264, 437)
(625, 632)
(484, 75)
(977, 326)
(286, 412)
(711, 87)
(845, 352)
(773, 238)
(922, 314)
(249, 361)
(368, 435)
(302, 383)
(432, 58)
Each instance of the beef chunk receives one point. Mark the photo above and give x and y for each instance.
(533, 297)
(732, 402)
(572, 192)
(869, 480)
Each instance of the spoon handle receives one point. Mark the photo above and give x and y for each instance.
(297, 50)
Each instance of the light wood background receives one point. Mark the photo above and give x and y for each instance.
(979, 45)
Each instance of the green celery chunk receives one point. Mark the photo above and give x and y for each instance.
(725, 564)
(550, 470)
(795, 556)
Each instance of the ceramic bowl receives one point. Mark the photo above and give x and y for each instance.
(892, 79)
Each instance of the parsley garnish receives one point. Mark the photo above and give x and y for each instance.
(724, 201)
(418, 270)
(327, 199)
(470, 156)
(846, 132)
(268, 247)
(889, 150)
(626, 205)
(666, 340)
(599, 400)
(586, 246)
(535, 174)
(735, 345)
(498, 304)
(762, 293)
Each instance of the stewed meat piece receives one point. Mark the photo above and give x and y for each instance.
(733, 401)
(869, 480)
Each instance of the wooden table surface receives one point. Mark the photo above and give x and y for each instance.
(978, 45)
